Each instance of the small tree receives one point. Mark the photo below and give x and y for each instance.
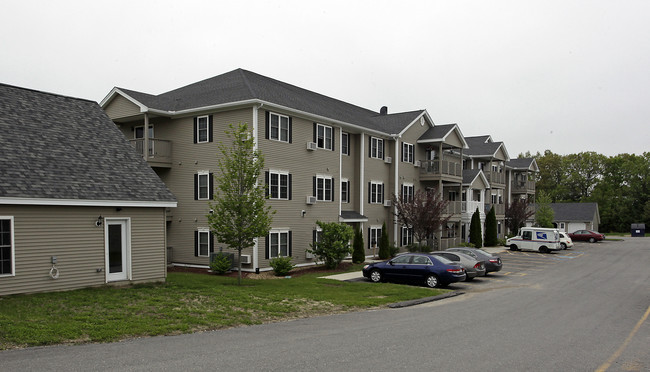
(384, 249)
(544, 215)
(358, 253)
(334, 243)
(491, 239)
(240, 212)
(475, 233)
(424, 213)
(517, 213)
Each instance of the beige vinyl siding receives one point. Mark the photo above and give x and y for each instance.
(70, 234)
(377, 170)
(350, 170)
(454, 140)
(121, 107)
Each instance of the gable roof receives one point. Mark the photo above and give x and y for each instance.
(523, 164)
(60, 150)
(470, 176)
(483, 146)
(575, 212)
(439, 133)
(245, 87)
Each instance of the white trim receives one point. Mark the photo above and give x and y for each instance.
(207, 128)
(202, 230)
(117, 90)
(270, 185)
(126, 222)
(280, 116)
(198, 185)
(88, 203)
(13, 246)
(325, 127)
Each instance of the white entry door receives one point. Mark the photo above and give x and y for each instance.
(118, 251)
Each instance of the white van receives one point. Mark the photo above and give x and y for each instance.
(535, 239)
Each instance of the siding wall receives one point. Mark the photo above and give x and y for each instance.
(70, 234)
(121, 107)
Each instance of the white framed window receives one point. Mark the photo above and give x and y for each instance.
(324, 137)
(374, 234)
(407, 236)
(203, 242)
(203, 184)
(278, 244)
(376, 148)
(408, 190)
(324, 188)
(407, 152)
(279, 127)
(345, 191)
(202, 129)
(376, 192)
(7, 254)
(279, 185)
(345, 143)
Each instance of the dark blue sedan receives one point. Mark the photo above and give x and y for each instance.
(434, 271)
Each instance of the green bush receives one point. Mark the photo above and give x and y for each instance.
(384, 251)
(220, 263)
(334, 243)
(358, 253)
(394, 250)
(281, 265)
(418, 248)
(491, 239)
(468, 245)
(502, 242)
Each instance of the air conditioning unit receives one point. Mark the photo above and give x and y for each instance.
(309, 255)
(245, 258)
(388, 160)
(311, 146)
(387, 203)
(311, 199)
(417, 164)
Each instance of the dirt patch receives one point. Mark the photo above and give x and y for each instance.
(295, 272)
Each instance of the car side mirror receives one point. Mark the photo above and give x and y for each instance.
(391, 262)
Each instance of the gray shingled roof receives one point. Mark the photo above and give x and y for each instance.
(520, 163)
(469, 175)
(574, 211)
(57, 147)
(478, 146)
(437, 132)
(242, 85)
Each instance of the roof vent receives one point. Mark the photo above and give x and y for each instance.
(383, 110)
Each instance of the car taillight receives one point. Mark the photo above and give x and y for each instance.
(460, 270)
(494, 260)
(478, 265)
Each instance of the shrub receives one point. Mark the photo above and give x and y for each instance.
(358, 253)
(394, 250)
(220, 263)
(384, 251)
(418, 248)
(334, 243)
(467, 244)
(475, 234)
(502, 242)
(491, 239)
(281, 265)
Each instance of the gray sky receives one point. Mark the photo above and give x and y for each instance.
(568, 76)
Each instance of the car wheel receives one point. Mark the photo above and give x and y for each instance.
(468, 279)
(592, 240)
(544, 249)
(432, 281)
(563, 245)
(513, 247)
(375, 276)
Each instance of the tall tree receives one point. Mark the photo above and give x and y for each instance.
(384, 251)
(517, 212)
(475, 230)
(491, 239)
(358, 254)
(584, 171)
(425, 213)
(240, 211)
(544, 214)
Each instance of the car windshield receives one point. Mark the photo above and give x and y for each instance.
(444, 260)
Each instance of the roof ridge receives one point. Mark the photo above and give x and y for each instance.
(243, 72)
(47, 93)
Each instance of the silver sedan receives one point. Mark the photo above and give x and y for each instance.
(473, 268)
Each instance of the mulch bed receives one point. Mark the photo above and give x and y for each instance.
(297, 271)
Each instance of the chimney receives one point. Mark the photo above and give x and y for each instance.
(383, 110)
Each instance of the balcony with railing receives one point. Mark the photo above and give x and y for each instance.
(496, 178)
(499, 209)
(470, 206)
(446, 168)
(159, 153)
(523, 187)
(454, 207)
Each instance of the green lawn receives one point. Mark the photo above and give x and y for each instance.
(187, 302)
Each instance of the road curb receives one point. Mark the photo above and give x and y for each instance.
(425, 300)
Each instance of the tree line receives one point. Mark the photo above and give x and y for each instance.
(619, 184)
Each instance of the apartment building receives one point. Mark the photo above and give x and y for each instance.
(325, 160)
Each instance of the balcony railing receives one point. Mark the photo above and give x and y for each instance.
(441, 167)
(470, 206)
(521, 187)
(496, 178)
(160, 151)
(449, 243)
(454, 207)
(499, 209)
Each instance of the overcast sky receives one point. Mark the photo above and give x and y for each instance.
(567, 76)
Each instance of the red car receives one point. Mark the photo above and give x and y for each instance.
(587, 236)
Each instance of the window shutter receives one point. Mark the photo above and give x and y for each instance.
(211, 185)
(314, 188)
(290, 130)
(333, 139)
(195, 121)
(382, 193)
(349, 191)
(369, 239)
(383, 150)
(196, 186)
(333, 188)
(315, 132)
(401, 236)
(290, 186)
(266, 125)
(196, 243)
(369, 192)
(266, 250)
(313, 237)
(370, 146)
(290, 244)
(266, 181)
(210, 130)
(211, 243)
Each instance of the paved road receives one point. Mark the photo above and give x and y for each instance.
(566, 314)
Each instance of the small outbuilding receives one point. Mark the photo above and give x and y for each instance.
(637, 230)
(570, 217)
(78, 206)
